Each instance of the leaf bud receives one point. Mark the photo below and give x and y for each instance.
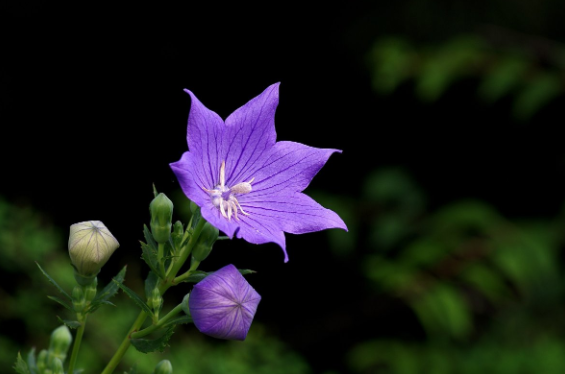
(161, 209)
(164, 367)
(60, 342)
(90, 246)
(205, 241)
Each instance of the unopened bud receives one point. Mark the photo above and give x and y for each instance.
(163, 367)
(57, 366)
(178, 234)
(205, 241)
(41, 362)
(60, 342)
(90, 246)
(155, 300)
(161, 209)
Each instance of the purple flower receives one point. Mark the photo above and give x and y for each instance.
(246, 183)
(223, 304)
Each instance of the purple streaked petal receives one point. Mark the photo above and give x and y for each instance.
(204, 137)
(223, 304)
(289, 167)
(250, 134)
(295, 214)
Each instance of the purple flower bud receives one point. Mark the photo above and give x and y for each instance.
(223, 304)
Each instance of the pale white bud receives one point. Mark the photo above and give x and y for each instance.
(90, 246)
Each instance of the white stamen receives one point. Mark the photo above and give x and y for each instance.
(229, 205)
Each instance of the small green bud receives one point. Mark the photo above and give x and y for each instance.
(79, 301)
(60, 342)
(90, 246)
(178, 234)
(205, 241)
(90, 290)
(57, 366)
(164, 367)
(155, 300)
(161, 209)
(41, 362)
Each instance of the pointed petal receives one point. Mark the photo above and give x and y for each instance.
(191, 174)
(256, 230)
(295, 214)
(290, 168)
(249, 136)
(204, 137)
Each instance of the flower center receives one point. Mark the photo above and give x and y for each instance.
(224, 197)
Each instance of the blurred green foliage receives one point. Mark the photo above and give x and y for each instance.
(487, 291)
(516, 69)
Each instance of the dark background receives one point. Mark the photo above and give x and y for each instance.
(92, 112)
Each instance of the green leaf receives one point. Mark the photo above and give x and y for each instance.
(150, 284)
(152, 345)
(179, 321)
(149, 238)
(95, 305)
(31, 361)
(111, 289)
(149, 255)
(540, 91)
(53, 281)
(70, 324)
(135, 297)
(62, 302)
(20, 366)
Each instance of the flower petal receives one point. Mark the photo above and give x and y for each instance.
(204, 137)
(192, 176)
(249, 136)
(289, 167)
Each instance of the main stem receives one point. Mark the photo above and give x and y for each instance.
(163, 286)
(76, 346)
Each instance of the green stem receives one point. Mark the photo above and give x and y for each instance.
(76, 346)
(125, 344)
(182, 277)
(163, 286)
(140, 334)
(186, 250)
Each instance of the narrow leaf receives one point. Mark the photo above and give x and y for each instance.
(111, 288)
(149, 255)
(152, 345)
(150, 284)
(135, 297)
(20, 366)
(31, 361)
(179, 321)
(70, 324)
(53, 281)
(62, 302)
(149, 238)
(94, 306)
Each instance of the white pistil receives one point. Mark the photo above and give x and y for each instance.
(228, 205)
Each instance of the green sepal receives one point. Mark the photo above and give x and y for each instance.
(70, 324)
(152, 345)
(135, 297)
(53, 281)
(31, 361)
(21, 366)
(111, 289)
(198, 275)
(62, 302)
(179, 321)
